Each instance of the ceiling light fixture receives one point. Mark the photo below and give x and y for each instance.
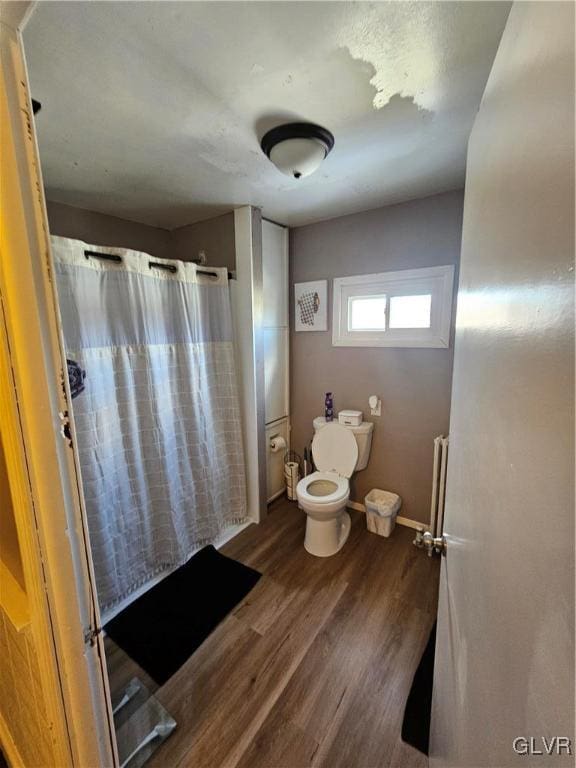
(297, 149)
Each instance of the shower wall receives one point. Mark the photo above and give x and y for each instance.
(101, 229)
(214, 236)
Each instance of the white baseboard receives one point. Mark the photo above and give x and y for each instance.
(400, 520)
(276, 496)
(416, 524)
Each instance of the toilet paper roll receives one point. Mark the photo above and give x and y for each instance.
(291, 470)
(291, 475)
(277, 443)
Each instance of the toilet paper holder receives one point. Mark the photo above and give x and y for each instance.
(277, 443)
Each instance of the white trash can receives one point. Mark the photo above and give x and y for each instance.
(381, 510)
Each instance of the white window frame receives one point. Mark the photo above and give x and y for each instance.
(437, 281)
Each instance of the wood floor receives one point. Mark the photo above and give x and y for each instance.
(314, 667)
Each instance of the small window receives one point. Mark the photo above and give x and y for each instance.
(409, 308)
(367, 313)
(411, 311)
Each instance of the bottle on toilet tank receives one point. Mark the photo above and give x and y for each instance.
(329, 407)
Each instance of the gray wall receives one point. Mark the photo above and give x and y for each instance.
(214, 236)
(414, 384)
(101, 229)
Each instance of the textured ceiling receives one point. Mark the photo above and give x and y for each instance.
(153, 111)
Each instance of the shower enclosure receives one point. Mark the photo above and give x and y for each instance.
(157, 419)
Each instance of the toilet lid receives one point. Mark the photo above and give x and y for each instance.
(335, 449)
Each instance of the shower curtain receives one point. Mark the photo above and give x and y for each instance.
(155, 406)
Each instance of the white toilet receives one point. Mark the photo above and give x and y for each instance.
(338, 451)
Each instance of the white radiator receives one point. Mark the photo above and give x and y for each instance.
(438, 485)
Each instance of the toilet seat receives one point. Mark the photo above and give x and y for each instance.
(340, 492)
(334, 449)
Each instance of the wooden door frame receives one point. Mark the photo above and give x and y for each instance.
(42, 464)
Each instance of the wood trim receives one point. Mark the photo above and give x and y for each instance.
(42, 469)
(14, 600)
(9, 746)
(15, 454)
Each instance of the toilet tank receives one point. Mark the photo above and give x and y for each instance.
(363, 435)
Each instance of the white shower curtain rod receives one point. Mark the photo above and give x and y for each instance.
(152, 264)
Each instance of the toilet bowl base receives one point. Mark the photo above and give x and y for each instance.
(324, 538)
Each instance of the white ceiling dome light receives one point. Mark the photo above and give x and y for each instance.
(297, 149)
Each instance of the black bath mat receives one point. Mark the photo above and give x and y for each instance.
(161, 629)
(416, 724)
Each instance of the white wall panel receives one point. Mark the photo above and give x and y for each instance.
(275, 460)
(276, 373)
(275, 275)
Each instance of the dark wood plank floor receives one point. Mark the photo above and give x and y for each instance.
(314, 667)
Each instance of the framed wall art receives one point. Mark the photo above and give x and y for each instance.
(310, 300)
